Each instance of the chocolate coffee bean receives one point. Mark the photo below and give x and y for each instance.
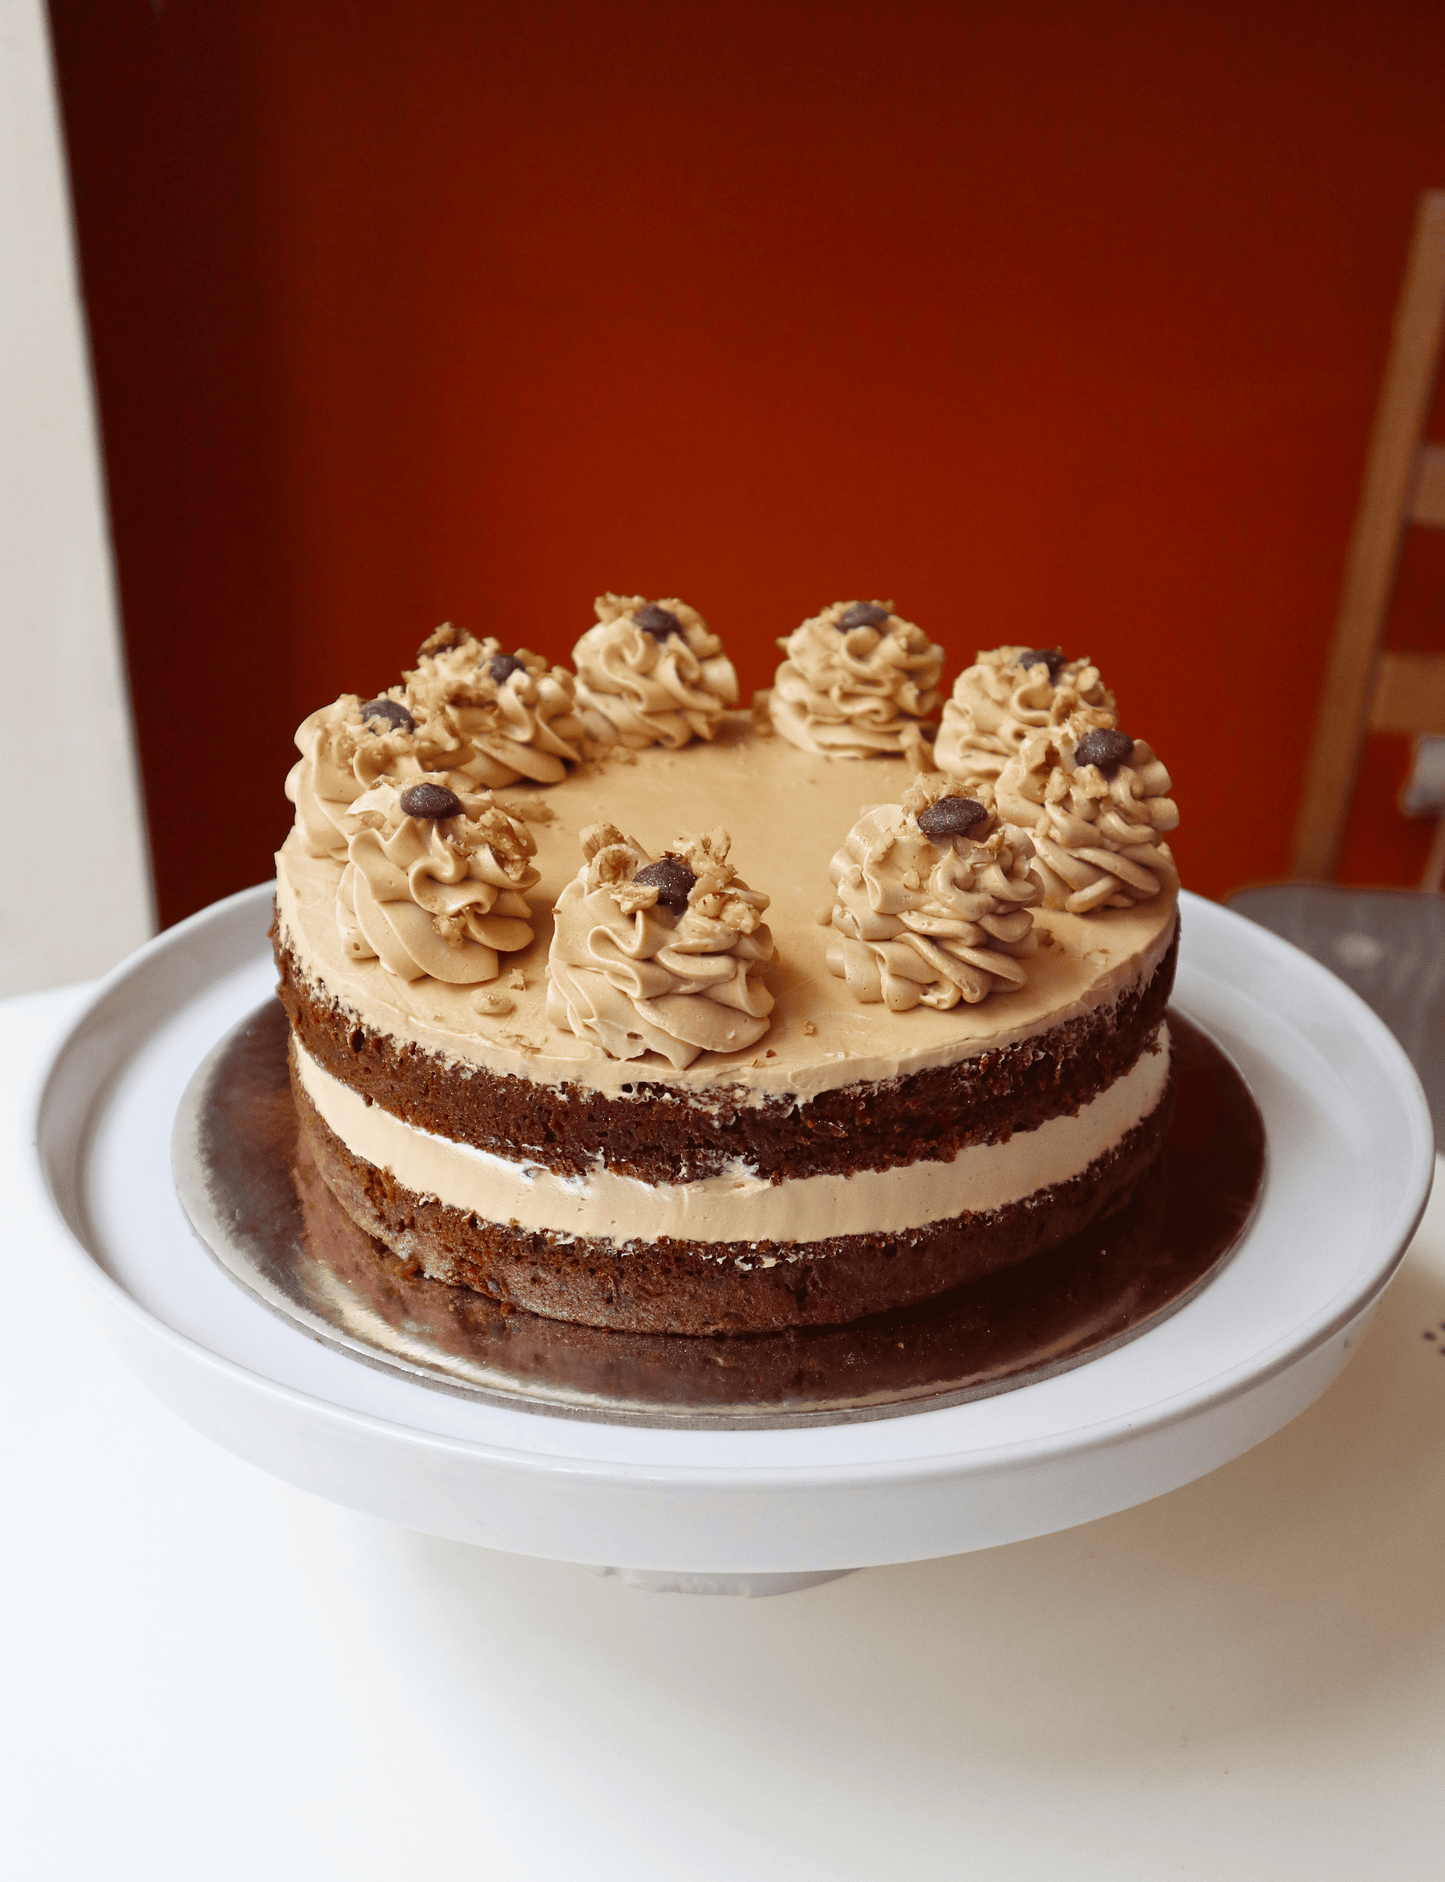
(950, 817)
(861, 614)
(1050, 657)
(1106, 749)
(661, 623)
(396, 718)
(503, 665)
(672, 879)
(430, 800)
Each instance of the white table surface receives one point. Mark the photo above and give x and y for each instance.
(206, 1672)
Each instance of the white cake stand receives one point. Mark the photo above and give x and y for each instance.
(1350, 1161)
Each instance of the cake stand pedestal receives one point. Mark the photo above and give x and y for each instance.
(1349, 1171)
(665, 1581)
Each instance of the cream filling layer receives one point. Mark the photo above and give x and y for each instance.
(738, 1207)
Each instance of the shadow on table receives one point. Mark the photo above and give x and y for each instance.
(1302, 1579)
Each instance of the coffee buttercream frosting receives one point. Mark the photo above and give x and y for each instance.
(434, 882)
(1096, 804)
(857, 680)
(1008, 693)
(651, 673)
(934, 900)
(659, 954)
(491, 715)
(467, 713)
(345, 748)
(797, 811)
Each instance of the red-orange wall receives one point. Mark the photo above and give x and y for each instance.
(1057, 323)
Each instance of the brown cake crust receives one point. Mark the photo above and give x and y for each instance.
(711, 1287)
(660, 1134)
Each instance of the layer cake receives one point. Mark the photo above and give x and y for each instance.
(804, 1127)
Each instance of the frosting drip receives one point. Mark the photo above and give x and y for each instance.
(931, 920)
(492, 716)
(999, 700)
(634, 968)
(1097, 832)
(852, 686)
(439, 896)
(650, 673)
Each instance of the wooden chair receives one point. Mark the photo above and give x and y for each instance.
(1367, 689)
(1388, 944)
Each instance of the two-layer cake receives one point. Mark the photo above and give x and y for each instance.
(634, 1010)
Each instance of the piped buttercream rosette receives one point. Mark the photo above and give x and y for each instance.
(1009, 693)
(467, 713)
(1097, 805)
(435, 883)
(934, 900)
(659, 954)
(857, 680)
(651, 673)
(494, 716)
(345, 748)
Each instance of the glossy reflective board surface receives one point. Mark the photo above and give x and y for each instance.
(255, 1199)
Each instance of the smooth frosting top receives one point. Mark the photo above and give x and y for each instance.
(650, 673)
(659, 954)
(1004, 696)
(787, 814)
(857, 680)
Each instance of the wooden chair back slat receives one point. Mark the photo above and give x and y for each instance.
(1400, 481)
(1427, 499)
(1409, 694)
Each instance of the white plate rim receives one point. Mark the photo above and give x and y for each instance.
(1415, 1153)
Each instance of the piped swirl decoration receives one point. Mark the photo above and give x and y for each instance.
(659, 955)
(345, 748)
(1096, 804)
(493, 716)
(934, 900)
(1007, 694)
(857, 680)
(435, 883)
(650, 673)
(467, 712)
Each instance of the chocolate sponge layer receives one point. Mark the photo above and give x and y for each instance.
(671, 1286)
(662, 1135)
